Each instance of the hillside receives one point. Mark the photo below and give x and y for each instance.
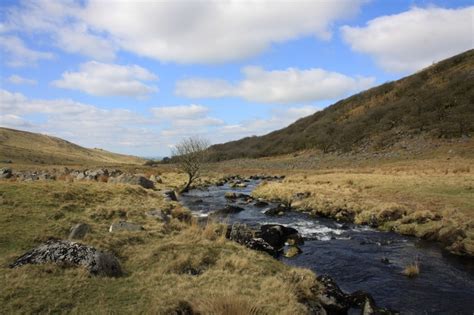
(437, 102)
(32, 148)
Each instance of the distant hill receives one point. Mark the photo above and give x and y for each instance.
(437, 102)
(33, 148)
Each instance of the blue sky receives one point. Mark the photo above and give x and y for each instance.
(136, 77)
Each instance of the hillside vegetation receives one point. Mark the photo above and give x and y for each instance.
(437, 102)
(32, 148)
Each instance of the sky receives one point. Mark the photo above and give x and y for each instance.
(136, 77)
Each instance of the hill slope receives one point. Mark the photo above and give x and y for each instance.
(27, 147)
(437, 102)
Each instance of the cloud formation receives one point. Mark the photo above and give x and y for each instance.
(18, 54)
(103, 79)
(16, 79)
(414, 39)
(277, 86)
(178, 31)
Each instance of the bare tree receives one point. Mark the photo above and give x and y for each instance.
(190, 155)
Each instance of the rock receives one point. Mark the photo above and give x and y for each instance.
(261, 245)
(170, 195)
(79, 231)
(158, 214)
(156, 179)
(260, 204)
(385, 260)
(292, 251)
(71, 253)
(277, 235)
(240, 233)
(230, 195)
(132, 180)
(228, 209)
(125, 226)
(5, 173)
(331, 297)
(278, 210)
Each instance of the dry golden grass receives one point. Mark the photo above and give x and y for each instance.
(412, 270)
(417, 197)
(169, 267)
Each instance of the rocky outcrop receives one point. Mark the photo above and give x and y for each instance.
(277, 235)
(67, 253)
(243, 235)
(132, 180)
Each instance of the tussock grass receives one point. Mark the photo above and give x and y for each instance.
(412, 270)
(170, 268)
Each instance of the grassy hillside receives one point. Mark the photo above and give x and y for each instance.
(437, 102)
(32, 148)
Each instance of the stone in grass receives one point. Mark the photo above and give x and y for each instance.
(67, 253)
(125, 226)
(79, 231)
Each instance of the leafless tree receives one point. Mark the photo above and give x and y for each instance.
(190, 155)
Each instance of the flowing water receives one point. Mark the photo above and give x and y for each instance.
(352, 255)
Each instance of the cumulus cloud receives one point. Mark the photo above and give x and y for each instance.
(414, 39)
(103, 79)
(18, 54)
(16, 79)
(179, 112)
(185, 32)
(278, 86)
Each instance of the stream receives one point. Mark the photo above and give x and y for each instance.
(352, 255)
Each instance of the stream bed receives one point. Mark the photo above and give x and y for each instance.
(355, 257)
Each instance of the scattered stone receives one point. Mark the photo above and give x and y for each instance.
(67, 253)
(132, 180)
(79, 231)
(125, 226)
(5, 173)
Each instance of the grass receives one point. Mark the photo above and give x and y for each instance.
(416, 197)
(168, 268)
(412, 270)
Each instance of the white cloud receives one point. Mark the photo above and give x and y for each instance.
(179, 112)
(19, 54)
(414, 39)
(278, 86)
(185, 32)
(14, 121)
(16, 79)
(109, 80)
(61, 22)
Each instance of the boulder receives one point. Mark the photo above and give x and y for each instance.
(240, 233)
(79, 231)
(261, 245)
(277, 235)
(228, 209)
(261, 204)
(132, 180)
(230, 195)
(278, 210)
(170, 195)
(72, 254)
(125, 226)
